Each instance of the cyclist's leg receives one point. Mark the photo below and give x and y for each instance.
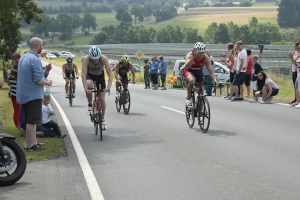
(102, 95)
(67, 85)
(73, 83)
(90, 82)
(191, 79)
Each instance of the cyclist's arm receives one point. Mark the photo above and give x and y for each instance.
(210, 68)
(189, 58)
(85, 63)
(132, 72)
(117, 71)
(64, 71)
(105, 62)
(76, 69)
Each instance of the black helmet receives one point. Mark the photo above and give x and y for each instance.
(69, 59)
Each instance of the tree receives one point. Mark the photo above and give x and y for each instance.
(233, 31)
(136, 11)
(253, 22)
(147, 10)
(210, 32)
(75, 21)
(119, 14)
(64, 26)
(245, 35)
(190, 35)
(11, 13)
(89, 21)
(120, 4)
(288, 14)
(221, 34)
(126, 17)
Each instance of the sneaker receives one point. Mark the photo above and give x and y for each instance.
(294, 104)
(188, 103)
(118, 94)
(63, 135)
(297, 106)
(73, 95)
(229, 97)
(104, 126)
(241, 99)
(155, 88)
(235, 99)
(163, 88)
(35, 147)
(254, 100)
(270, 99)
(265, 102)
(67, 96)
(89, 113)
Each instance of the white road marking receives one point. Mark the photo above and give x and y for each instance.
(89, 176)
(165, 107)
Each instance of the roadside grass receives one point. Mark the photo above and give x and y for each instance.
(55, 147)
(80, 40)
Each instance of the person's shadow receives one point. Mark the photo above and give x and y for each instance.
(219, 133)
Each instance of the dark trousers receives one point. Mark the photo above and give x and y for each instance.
(48, 132)
(208, 84)
(54, 126)
(147, 80)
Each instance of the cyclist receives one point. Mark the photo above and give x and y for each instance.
(121, 74)
(93, 70)
(67, 69)
(193, 69)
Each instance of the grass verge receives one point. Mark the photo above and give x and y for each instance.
(55, 147)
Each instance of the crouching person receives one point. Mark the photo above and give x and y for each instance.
(267, 89)
(46, 118)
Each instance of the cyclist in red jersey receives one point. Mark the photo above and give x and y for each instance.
(193, 70)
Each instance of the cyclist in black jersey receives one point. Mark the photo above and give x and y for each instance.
(93, 66)
(121, 73)
(67, 69)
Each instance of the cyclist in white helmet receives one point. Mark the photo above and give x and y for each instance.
(121, 74)
(193, 70)
(93, 70)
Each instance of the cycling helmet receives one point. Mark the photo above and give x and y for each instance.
(69, 59)
(200, 47)
(94, 52)
(125, 58)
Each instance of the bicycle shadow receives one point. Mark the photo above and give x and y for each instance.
(135, 114)
(219, 133)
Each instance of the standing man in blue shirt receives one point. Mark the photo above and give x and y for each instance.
(154, 73)
(163, 71)
(30, 90)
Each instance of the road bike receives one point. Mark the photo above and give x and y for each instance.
(96, 116)
(199, 108)
(70, 90)
(183, 81)
(124, 97)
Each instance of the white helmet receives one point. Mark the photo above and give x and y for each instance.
(200, 47)
(94, 52)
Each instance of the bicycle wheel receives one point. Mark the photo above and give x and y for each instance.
(118, 101)
(95, 118)
(190, 113)
(204, 114)
(100, 121)
(126, 102)
(70, 94)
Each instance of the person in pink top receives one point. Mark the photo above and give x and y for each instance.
(248, 72)
(294, 59)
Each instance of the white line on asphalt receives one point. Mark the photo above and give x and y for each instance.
(165, 107)
(89, 176)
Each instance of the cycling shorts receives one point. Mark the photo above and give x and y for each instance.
(198, 74)
(68, 76)
(100, 80)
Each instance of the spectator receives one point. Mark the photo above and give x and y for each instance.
(240, 69)
(146, 74)
(248, 72)
(232, 74)
(229, 60)
(266, 88)
(30, 90)
(297, 86)
(256, 68)
(46, 118)
(207, 78)
(294, 58)
(154, 73)
(12, 92)
(163, 71)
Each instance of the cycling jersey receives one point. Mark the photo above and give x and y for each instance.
(123, 69)
(69, 70)
(95, 69)
(195, 70)
(196, 65)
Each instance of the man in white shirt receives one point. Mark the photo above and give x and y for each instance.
(240, 70)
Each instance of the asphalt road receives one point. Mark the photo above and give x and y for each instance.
(251, 151)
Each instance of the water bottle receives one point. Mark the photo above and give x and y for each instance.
(47, 89)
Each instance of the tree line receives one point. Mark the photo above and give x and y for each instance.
(83, 8)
